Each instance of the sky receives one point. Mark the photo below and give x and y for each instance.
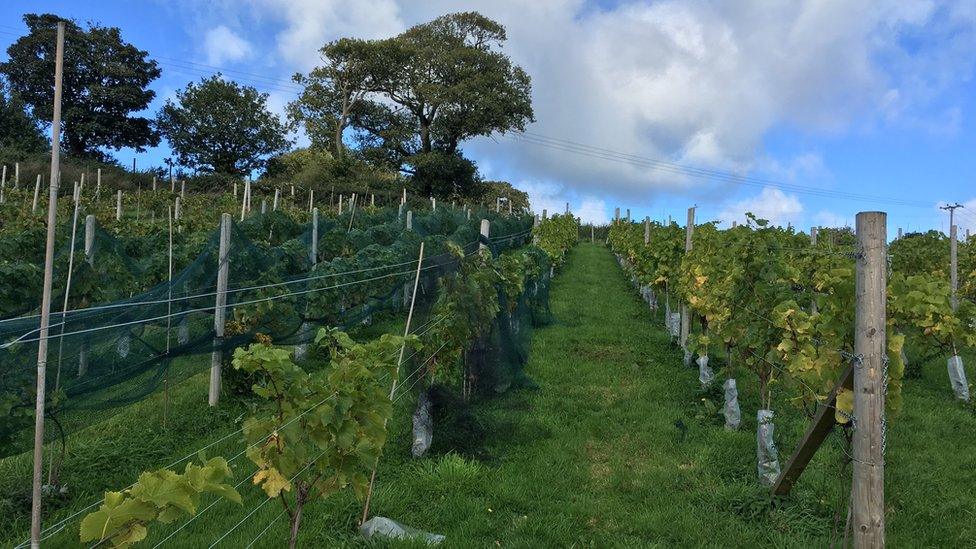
(803, 112)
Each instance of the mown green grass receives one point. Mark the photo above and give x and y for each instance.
(614, 449)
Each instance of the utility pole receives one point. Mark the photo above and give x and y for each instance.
(953, 253)
(52, 212)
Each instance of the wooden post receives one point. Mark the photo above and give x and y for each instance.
(685, 313)
(409, 220)
(169, 313)
(235, 189)
(869, 348)
(567, 207)
(98, 183)
(154, 184)
(311, 198)
(400, 211)
(90, 239)
(899, 233)
(37, 193)
(616, 214)
(340, 203)
(813, 244)
(223, 272)
(313, 255)
(396, 376)
(118, 205)
(509, 206)
(433, 204)
(177, 210)
(592, 234)
(545, 214)
(485, 226)
(274, 205)
(404, 199)
(52, 211)
(954, 266)
(3, 179)
(372, 200)
(628, 215)
(264, 206)
(647, 230)
(16, 174)
(183, 188)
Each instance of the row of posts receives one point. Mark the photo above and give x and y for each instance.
(869, 346)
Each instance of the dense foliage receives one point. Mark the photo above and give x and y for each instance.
(106, 81)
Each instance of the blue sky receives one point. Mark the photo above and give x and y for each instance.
(813, 100)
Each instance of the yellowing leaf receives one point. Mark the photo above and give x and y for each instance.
(272, 482)
(845, 404)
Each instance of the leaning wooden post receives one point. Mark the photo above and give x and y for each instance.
(223, 272)
(52, 211)
(485, 226)
(118, 205)
(37, 193)
(867, 495)
(314, 248)
(396, 375)
(685, 313)
(954, 266)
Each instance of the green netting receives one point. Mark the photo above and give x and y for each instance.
(128, 327)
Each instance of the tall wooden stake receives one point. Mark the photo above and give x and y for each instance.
(313, 250)
(52, 211)
(869, 346)
(169, 316)
(223, 271)
(685, 316)
(485, 227)
(406, 332)
(954, 266)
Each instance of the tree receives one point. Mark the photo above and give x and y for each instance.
(412, 99)
(333, 92)
(221, 126)
(18, 129)
(451, 83)
(105, 80)
(444, 175)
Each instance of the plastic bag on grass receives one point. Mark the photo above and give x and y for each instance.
(705, 373)
(423, 426)
(767, 457)
(382, 527)
(957, 377)
(733, 417)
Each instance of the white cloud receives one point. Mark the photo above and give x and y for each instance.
(221, 45)
(771, 203)
(692, 81)
(593, 210)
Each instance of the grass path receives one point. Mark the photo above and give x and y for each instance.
(614, 449)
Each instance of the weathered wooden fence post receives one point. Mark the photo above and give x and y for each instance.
(220, 306)
(954, 266)
(485, 226)
(118, 205)
(685, 313)
(37, 193)
(869, 381)
(313, 250)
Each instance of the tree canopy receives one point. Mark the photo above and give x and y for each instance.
(18, 129)
(220, 126)
(105, 82)
(410, 101)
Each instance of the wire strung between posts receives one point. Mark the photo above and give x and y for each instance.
(186, 457)
(266, 528)
(204, 510)
(266, 500)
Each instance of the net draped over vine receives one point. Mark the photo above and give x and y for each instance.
(115, 345)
